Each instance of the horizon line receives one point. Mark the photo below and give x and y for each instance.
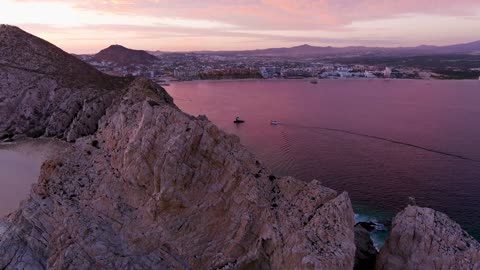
(268, 48)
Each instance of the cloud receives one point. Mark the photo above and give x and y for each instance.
(261, 23)
(69, 14)
(273, 14)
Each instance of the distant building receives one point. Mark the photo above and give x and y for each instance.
(297, 72)
(186, 74)
(387, 72)
(136, 73)
(269, 72)
(424, 75)
(344, 72)
(329, 75)
(369, 74)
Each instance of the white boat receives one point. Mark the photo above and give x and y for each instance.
(274, 123)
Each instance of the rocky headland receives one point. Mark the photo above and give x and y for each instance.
(422, 238)
(142, 185)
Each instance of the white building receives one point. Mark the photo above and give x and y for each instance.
(369, 74)
(387, 72)
(185, 73)
(269, 72)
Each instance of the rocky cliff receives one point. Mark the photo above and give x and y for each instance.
(366, 253)
(147, 186)
(143, 185)
(422, 238)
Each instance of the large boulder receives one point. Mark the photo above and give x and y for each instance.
(422, 238)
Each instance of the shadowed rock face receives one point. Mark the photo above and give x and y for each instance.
(47, 92)
(422, 238)
(366, 253)
(146, 186)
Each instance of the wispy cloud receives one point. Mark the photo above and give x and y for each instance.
(234, 24)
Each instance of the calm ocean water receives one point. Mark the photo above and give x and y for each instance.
(381, 140)
(19, 169)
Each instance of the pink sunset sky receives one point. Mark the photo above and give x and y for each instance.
(88, 26)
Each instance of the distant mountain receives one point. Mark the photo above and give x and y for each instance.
(308, 50)
(124, 56)
(472, 47)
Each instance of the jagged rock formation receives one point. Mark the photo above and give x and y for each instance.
(422, 238)
(149, 187)
(47, 92)
(366, 253)
(156, 187)
(123, 56)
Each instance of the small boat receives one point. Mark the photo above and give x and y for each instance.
(313, 81)
(238, 120)
(274, 123)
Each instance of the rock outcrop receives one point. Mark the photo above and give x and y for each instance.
(146, 186)
(366, 253)
(422, 238)
(47, 92)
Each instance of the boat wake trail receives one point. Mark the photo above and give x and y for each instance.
(382, 139)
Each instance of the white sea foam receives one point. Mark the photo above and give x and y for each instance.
(379, 234)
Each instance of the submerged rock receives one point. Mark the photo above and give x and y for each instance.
(367, 225)
(422, 238)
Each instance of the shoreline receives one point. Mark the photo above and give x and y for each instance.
(34, 145)
(310, 79)
(20, 167)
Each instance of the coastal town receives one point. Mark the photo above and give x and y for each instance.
(168, 67)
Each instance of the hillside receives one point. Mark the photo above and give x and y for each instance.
(47, 92)
(308, 50)
(123, 56)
